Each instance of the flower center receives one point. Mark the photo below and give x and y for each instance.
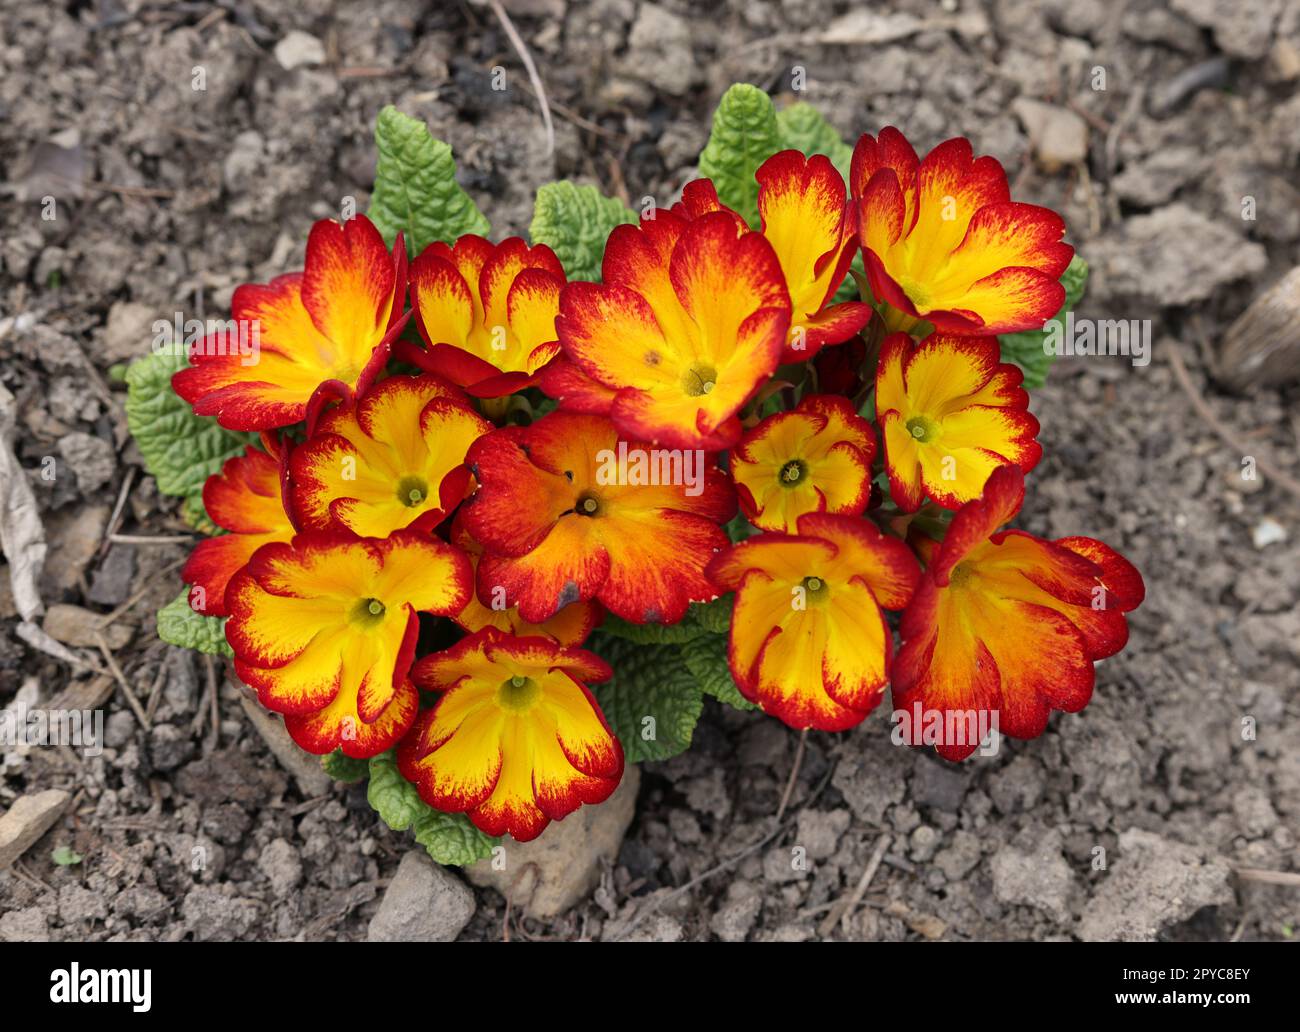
(518, 694)
(922, 428)
(815, 589)
(587, 505)
(793, 472)
(412, 491)
(368, 612)
(699, 380)
(960, 575)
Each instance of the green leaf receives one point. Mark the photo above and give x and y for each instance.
(706, 658)
(652, 702)
(178, 624)
(344, 768)
(66, 856)
(701, 618)
(574, 222)
(415, 186)
(180, 449)
(805, 129)
(449, 838)
(1025, 349)
(744, 135)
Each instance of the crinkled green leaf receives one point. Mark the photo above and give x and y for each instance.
(805, 129)
(574, 222)
(180, 449)
(415, 186)
(344, 768)
(179, 624)
(1025, 349)
(700, 618)
(706, 658)
(652, 702)
(449, 838)
(744, 135)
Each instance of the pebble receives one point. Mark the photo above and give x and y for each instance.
(1058, 136)
(77, 626)
(423, 903)
(91, 459)
(299, 49)
(30, 817)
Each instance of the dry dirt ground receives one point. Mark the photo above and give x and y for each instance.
(184, 194)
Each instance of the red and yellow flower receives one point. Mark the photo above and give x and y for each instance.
(816, 458)
(569, 627)
(244, 498)
(689, 322)
(808, 222)
(950, 413)
(393, 459)
(1007, 625)
(567, 511)
(324, 629)
(486, 312)
(944, 243)
(808, 638)
(515, 740)
(331, 325)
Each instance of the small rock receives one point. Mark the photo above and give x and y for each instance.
(783, 864)
(939, 785)
(74, 536)
(1236, 34)
(210, 914)
(1039, 877)
(1059, 136)
(568, 854)
(91, 459)
(1018, 786)
(111, 585)
(659, 51)
(169, 747)
(959, 856)
(820, 831)
(77, 626)
(28, 925)
(305, 768)
(119, 729)
(79, 904)
(280, 863)
(874, 779)
(298, 50)
(27, 820)
(1153, 883)
(1267, 532)
(128, 333)
(923, 842)
(423, 903)
(735, 918)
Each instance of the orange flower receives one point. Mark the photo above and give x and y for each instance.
(808, 640)
(569, 627)
(950, 414)
(807, 220)
(395, 458)
(331, 326)
(814, 459)
(324, 629)
(568, 511)
(688, 324)
(1006, 627)
(516, 739)
(944, 243)
(244, 498)
(486, 312)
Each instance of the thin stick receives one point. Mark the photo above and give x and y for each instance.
(121, 680)
(1212, 421)
(521, 49)
(1262, 877)
(841, 912)
(794, 775)
(136, 539)
(127, 482)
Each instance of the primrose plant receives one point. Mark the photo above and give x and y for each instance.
(488, 521)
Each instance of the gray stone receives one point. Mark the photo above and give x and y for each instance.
(1038, 877)
(959, 856)
(1153, 883)
(872, 777)
(659, 51)
(1018, 786)
(28, 925)
(735, 918)
(280, 863)
(91, 459)
(211, 914)
(299, 49)
(423, 903)
(77, 626)
(111, 584)
(169, 747)
(567, 855)
(1058, 136)
(939, 785)
(305, 768)
(820, 831)
(128, 333)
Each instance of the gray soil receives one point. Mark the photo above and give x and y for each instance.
(1133, 819)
